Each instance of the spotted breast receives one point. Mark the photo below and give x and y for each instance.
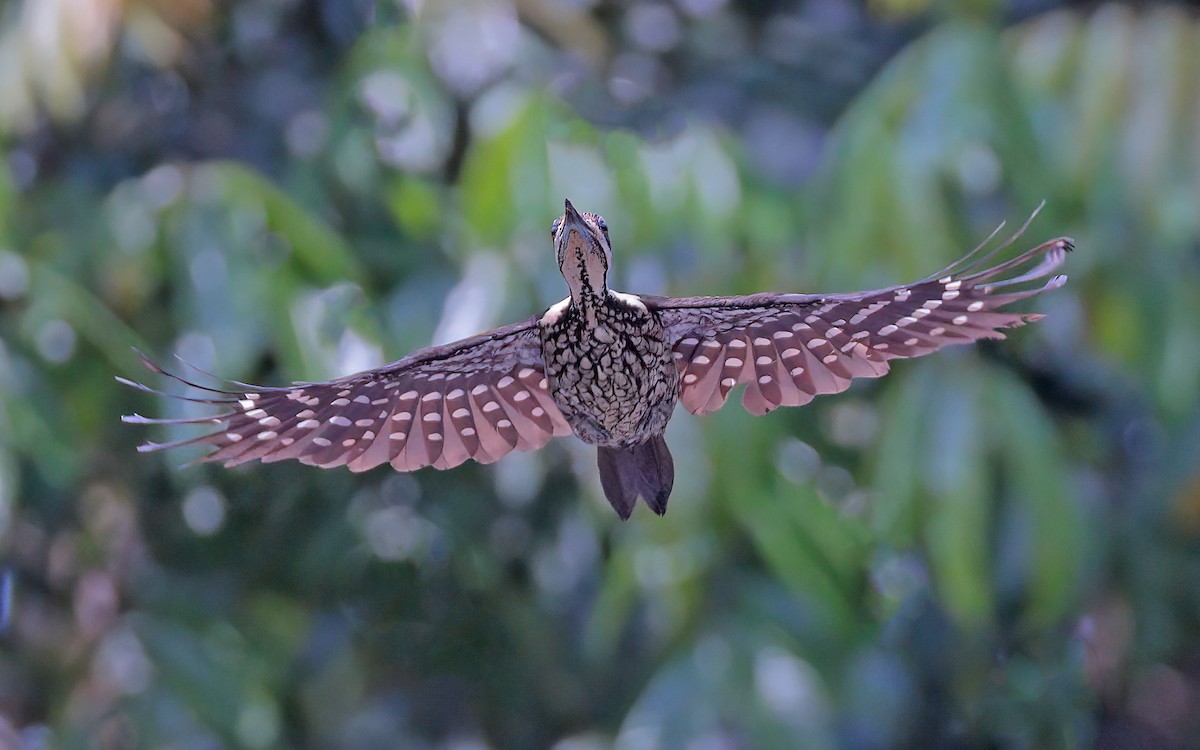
(610, 369)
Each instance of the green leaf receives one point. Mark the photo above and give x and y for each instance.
(321, 255)
(1035, 469)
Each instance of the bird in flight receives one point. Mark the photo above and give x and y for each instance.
(609, 368)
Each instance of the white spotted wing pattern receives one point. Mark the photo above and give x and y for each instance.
(788, 348)
(479, 398)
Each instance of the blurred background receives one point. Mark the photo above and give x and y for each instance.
(994, 547)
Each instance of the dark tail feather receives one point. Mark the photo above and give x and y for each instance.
(646, 469)
(657, 470)
(618, 479)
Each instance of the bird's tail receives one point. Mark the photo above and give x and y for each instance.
(646, 469)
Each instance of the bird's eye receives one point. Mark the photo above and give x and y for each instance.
(554, 226)
(601, 223)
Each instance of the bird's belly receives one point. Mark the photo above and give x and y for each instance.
(617, 393)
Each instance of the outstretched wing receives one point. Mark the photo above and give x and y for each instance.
(477, 398)
(788, 348)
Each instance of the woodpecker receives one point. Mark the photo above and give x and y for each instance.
(610, 367)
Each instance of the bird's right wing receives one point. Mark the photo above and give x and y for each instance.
(478, 398)
(788, 348)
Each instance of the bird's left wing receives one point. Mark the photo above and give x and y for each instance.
(788, 348)
(478, 398)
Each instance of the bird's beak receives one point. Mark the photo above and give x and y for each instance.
(574, 221)
(572, 214)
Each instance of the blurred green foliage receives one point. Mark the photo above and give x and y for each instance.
(993, 547)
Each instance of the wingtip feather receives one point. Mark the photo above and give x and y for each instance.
(130, 383)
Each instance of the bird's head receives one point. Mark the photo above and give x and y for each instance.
(583, 250)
